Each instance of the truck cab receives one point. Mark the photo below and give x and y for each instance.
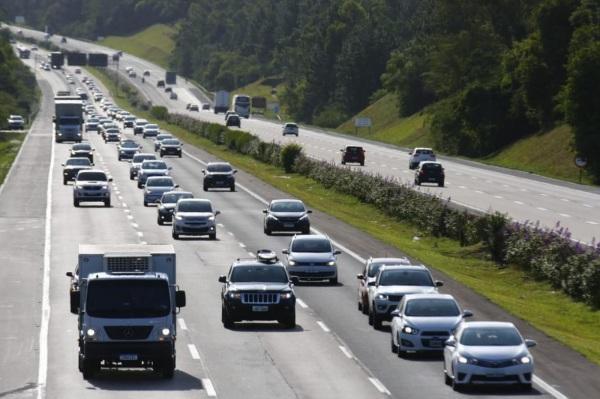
(126, 298)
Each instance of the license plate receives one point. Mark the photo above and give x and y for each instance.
(288, 225)
(494, 375)
(260, 308)
(435, 343)
(128, 357)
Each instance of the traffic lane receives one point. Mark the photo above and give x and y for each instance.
(22, 226)
(259, 354)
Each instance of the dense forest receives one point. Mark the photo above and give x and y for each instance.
(488, 71)
(17, 84)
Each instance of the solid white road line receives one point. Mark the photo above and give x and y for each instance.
(194, 352)
(301, 303)
(43, 342)
(566, 215)
(518, 202)
(591, 222)
(548, 388)
(208, 387)
(251, 254)
(345, 351)
(182, 324)
(242, 245)
(541, 209)
(323, 326)
(380, 387)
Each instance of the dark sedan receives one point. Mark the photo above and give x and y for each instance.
(127, 149)
(286, 215)
(82, 150)
(72, 166)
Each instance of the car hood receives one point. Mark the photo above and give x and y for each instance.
(404, 289)
(156, 189)
(433, 323)
(195, 214)
(493, 352)
(153, 171)
(128, 149)
(81, 152)
(91, 183)
(288, 214)
(259, 286)
(312, 256)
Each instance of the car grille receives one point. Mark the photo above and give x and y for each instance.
(494, 364)
(91, 188)
(260, 298)
(394, 298)
(311, 263)
(435, 333)
(128, 332)
(501, 378)
(314, 274)
(288, 219)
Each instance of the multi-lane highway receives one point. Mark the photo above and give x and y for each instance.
(475, 186)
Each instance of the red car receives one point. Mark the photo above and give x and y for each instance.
(353, 154)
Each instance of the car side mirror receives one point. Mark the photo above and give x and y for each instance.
(62, 164)
(360, 277)
(110, 179)
(285, 251)
(294, 280)
(265, 211)
(467, 313)
(450, 342)
(170, 167)
(235, 171)
(337, 252)
(439, 283)
(309, 211)
(176, 186)
(222, 279)
(180, 299)
(69, 274)
(217, 213)
(203, 171)
(395, 313)
(530, 343)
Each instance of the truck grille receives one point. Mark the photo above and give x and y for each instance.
(260, 298)
(127, 264)
(128, 332)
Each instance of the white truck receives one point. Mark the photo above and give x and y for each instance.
(221, 101)
(68, 118)
(127, 298)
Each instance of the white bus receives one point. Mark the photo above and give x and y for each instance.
(241, 105)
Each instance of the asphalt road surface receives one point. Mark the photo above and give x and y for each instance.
(332, 352)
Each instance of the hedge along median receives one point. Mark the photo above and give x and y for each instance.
(453, 241)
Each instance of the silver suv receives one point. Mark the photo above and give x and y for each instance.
(136, 162)
(392, 283)
(195, 217)
(91, 186)
(367, 278)
(149, 169)
(312, 257)
(418, 155)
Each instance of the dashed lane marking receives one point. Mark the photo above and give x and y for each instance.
(251, 254)
(566, 215)
(323, 326)
(498, 196)
(587, 205)
(518, 202)
(140, 234)
(541, 209)
(182, 324)
(242, 244)
(208, 387)
(591, 222)
(345, 351)
(380, 387)
(135, 225)
(194, 351)
(301, 303)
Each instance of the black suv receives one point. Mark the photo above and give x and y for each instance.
(219, 175)
(258, 289)
(286, 215)
(430, 172)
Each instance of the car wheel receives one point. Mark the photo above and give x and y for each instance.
(447, 378)
(267, 231)
(289, 321)
(376, 322)
(89, 368)
(343, 162)
(205, 187)
(212, 236)
(393, 346)
(225, 319)
(417, 182)
(365, 308)
(180, 155)
(107, 203)
(65, 180)
(370, 318)
(162, 155)
(139, 185)
(75, 202)
(119, 157)
(131, 176)
(159, 221)
(441, 184)
(175, 236)
(362, 164)
(232, 188)
(333, 281)
(145, 203)
(306, 231)
(360, 308)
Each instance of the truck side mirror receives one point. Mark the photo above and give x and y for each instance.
(222, 279)
(180, 299)
(74, 301)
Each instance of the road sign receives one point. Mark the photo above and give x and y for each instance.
(581, 162)
(362, 121)
(98, 59)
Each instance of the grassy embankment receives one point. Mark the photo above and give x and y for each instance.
(9, 147)
(547, 154)
(574, 324)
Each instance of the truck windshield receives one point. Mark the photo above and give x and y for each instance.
(118, 299)
(69, 121)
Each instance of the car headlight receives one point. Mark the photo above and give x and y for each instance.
(286, 295)
(291, 262)
(122, 151)
(382, 297)
(235, 295)
(525, 360)
(410, 330)
(304, 217)
(178, 217)
(463, 360)
(165, 332)
(104, 187)
(331, 263)
(211, 218)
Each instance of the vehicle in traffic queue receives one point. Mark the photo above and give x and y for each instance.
(167, 203)
(160, 138)
(233, 120)
(418, 155)
(258, 289)
(171, 147)
(290, 128)
(392, 283)
(173, 96)
(15, 122)
(205, 106)
(156, 186)
(136, 162)
(353, 154)
(192, 107)
(194, 217)
(430, 172)
(138, 127)
(160, 83)
(150, 130)
(312, 257)
(127, 148)
(286, 215)
(91, 186)
(423, 322)
(129, 121)
(112, 135)
(151, 168)
(219, 175)
(92, 124)
(82, 150)
(488, 352)
(72, 166)
(367, 278)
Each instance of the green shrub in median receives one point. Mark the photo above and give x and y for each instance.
(289, 154)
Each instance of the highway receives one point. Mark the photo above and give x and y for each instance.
(475, 186)
(332, 353)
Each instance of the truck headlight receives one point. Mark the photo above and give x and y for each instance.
(165, 332)
(90, 333)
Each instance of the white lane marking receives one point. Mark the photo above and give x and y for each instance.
(43, 343)
(129, 217)
(564, 200)
(524, 189)
(543, 195)
(518, 202)
(566, 215)
(135, 225)
(498, 196)
(182, 324)
(591, 222)
(479, 191)
(542, 209)
(230, 233)
(120, 198)
(140, 234)
(301, 303)
(345, 351)
(242, 245)
(144, 242)
(587, 205)
(251, 254)
(380, 387)
(323, 326)
(461, 187)
(220, 224)
(125, 206)
(208, 387)
(548, 388)
(194, 352)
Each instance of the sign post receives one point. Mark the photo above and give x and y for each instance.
(581, 162)
(362, 121)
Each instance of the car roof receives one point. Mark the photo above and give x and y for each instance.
(218, 163)
(391, 261)
(153, 160)
(429, 163)
(310, 236)
(196, 200)
(178, 192)
(94, 170)
(159, 177)
(403, 267)
(146, 154)
(286, 200)
(423, 148)
(428, 296)
(484, 324)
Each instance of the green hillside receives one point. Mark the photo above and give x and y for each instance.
(154, 43)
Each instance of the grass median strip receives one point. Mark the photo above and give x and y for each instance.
(9, 147)
(573, 323)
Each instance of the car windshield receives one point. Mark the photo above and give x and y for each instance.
(320, 245)
(92, 120)
(163, 136)
(221, 167)
(292, 206)
(424, 152)
(173, 198)
(375, 266)
(141, 123)
(258, 274)
(354, 150)
(431, 308)
(431, 166)
(81, 147)
(194, 206)
(118, 299)
(170, 142)
(151, 127)
(129, 144)
(405, 277)
(112, 131)
(154, 165)
(141, 158)
(160, 182)
(291, 126)
(490, 336)
(78, 161)
(91, 176)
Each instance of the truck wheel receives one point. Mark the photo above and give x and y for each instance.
(90, 368)
(441, 184)
(131, 176)
(225, 319)
(167, 368)
(139, 184)
(145, 203)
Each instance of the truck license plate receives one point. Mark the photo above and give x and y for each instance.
(260, 308)
(128, 357)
